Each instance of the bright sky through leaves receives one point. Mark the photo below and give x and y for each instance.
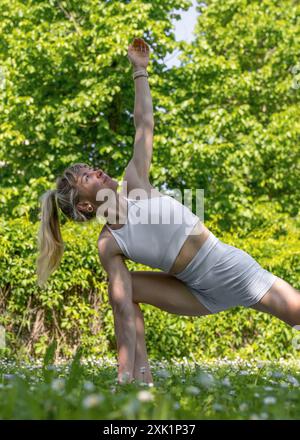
(183, 31)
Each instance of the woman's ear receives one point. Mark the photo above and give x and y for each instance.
(84, 206)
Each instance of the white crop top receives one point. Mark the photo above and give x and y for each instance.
(155, 230)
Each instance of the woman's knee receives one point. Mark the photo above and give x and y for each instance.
(283, 301)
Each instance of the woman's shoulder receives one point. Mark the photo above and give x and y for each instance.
(107, 243)
(139, 192)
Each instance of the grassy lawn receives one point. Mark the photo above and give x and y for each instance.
(88, 389)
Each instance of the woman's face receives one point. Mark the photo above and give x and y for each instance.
(90, 181)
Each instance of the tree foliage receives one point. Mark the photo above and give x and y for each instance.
(68, 93)
(226, 121)
(232, 123)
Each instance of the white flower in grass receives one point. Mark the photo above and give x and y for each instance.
(21, 375)
(293, 380)
(277, 374)
(206, 380)
(146, 384)
(92, 401)
(145, 396)
(226, 382)
(191, 389)
(268, 388)
(51, 367)
(218, 407)
(88, 386)
(176, 405)
(260, 364)
(254, 417)
(243, 406)
(8, 376)
(131, 408)
(164, 374)
(270, 400)
(58, 384)
(264, 415)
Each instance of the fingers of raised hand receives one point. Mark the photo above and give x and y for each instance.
(139, 45)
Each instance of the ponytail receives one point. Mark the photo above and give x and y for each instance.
(65, 197)
(50, 243)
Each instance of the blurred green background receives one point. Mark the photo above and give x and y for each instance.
(227, 120)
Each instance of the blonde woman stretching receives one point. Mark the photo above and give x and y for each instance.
(200, 274)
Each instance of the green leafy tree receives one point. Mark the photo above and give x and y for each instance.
(231, 115)
(68, 94)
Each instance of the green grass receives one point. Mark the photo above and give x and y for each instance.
(88, 389)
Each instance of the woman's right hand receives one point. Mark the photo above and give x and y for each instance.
(138, 53)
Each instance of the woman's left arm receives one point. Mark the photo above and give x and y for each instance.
(143, 107)
(138, 53)
(141, 364)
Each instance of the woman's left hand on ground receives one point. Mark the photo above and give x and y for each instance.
(138, 53)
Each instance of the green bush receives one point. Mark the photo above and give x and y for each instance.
(73, 309)
(226, 121)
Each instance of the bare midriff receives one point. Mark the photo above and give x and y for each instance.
(190, 247)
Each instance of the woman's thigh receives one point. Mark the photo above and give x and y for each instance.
(166, 292)
(281, 300)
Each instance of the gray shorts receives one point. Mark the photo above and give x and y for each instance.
(222, 276)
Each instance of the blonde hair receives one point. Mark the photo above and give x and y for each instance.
(50, 243)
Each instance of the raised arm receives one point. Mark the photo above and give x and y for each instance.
(120, 298)
(138, 54)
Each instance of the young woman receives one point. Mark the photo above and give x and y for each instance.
(200, 274)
